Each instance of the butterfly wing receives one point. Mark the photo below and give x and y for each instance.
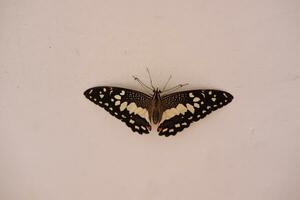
(129, 106)
(180, 109)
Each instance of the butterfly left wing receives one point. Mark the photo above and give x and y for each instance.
(130, 106)
(180, 109)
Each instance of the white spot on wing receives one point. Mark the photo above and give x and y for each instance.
(131, 121)
(196, 105)
(164, 117)
(177, 125)
(90, 91)
(169, 113)
(174, 111)
(131, 107)
(213, 99)
(190, 108)
(181, 108)
(117, 97)
(191, 95)
(138, 111)
(196, 99)
(147, 116)
(123, 106)
(101, 96)
(144, 114)
(122, 92)
(117, 103)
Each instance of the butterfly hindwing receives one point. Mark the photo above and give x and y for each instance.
(180, 109)
(129, 106)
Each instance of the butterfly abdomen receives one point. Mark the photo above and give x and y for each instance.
(156, 116)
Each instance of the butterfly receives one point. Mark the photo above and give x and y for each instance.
(172, 112)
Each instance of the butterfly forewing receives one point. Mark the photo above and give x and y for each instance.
(180, 109)
(130, 106)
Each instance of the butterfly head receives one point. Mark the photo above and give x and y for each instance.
(156, 94)
(156, 91)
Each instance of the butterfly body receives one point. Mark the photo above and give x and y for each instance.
(155, 109)
(171, 112)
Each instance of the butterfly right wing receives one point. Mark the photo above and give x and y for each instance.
(130, 106)
(183, 108)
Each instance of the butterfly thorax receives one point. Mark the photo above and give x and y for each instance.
(155, 109)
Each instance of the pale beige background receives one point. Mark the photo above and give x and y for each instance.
(55, 144)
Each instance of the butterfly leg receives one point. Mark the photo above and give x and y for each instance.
(141, 83)
(150, 78)
(175, 88)
(166, 83)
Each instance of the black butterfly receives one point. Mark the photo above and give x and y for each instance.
(172, 112)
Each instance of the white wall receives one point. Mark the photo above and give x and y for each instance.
(55, 144)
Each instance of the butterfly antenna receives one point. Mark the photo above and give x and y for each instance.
(165, 86)
(141, 83)
(150, 78)
(175, 87)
